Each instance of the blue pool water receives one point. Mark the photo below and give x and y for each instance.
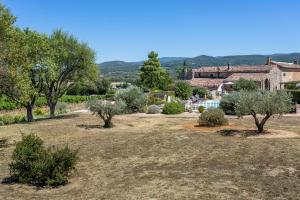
(208, 104)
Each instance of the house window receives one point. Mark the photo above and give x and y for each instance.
(284, 74)
(211, 75)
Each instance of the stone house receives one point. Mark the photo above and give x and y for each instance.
(271, 76)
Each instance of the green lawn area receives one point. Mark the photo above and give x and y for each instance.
(157, 157)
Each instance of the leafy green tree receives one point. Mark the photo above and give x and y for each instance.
(152, 74)
(263, 103)
(22, 61)
(71, 62)
(245, 84)
(183, 90)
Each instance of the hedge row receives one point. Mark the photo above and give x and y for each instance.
(7, 104)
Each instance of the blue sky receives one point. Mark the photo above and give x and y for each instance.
(128, 29)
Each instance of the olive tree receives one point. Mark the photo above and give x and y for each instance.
(106, 110)
(134, 98)
(263, 103)
(71, 61)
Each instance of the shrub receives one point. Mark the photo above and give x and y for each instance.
(201, 109)
(62, 107)
(228, 103)
(212, 117)
(153, 109)
(173, 108)
(201, 92)
(33, 164)
(153, 100)
(7, 119)
(19, 118)
(134, 98)
(183, 90)
(40, 112)
(106, 110)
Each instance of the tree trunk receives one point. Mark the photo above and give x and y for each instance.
(52, 107)
(108, 124)
(260, 125)
(29, 109)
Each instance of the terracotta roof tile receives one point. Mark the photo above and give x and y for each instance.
(233, 69)
(251, 76)
(205, 82)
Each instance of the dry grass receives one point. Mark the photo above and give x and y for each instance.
(157, 157)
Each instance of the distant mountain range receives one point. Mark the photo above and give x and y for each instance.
(128, 69)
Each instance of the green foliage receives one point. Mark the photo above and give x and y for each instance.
(71, 61)
(153, 109)
(295, 95)
(40, 112)
(228, 103)
(201, 109)
(202, 92)
(154, 100)
(32, 163)
(183, 90)
(265, 103)
(152, 74)
(134, 98)
(106, 110)
(173, 108)
(245, 84)
(19, 118)
(7, 119)
(212, 117)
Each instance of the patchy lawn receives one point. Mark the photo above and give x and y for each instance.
(159, 157)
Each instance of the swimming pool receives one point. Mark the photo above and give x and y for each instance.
(207, 104)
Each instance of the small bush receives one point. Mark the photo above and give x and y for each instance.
(39, 112)
(7, 119)
(33, 164)
(212, 117)
(173, 108)
(153, 109)
(201, 109)
(62, 107)
(19, 118)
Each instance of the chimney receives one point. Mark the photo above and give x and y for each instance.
(295, 62)
(269, 60)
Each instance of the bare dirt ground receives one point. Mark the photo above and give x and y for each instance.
(160, 157)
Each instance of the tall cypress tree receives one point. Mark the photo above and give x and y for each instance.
(152, 74)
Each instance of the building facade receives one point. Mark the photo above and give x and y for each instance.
(271, 76)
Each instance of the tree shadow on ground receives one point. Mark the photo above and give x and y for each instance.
(239, 133)
(66, 116)
(87, 126)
